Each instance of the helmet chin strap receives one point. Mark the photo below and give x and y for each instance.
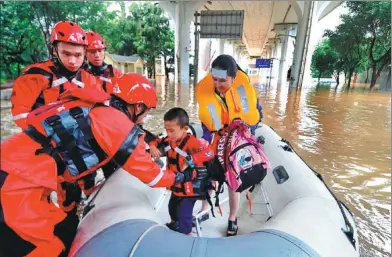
(136, 116)
(122, 106)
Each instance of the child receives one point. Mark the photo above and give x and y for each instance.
(183, 151)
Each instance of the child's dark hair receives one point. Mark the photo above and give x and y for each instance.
(178, 114)
(226, 62)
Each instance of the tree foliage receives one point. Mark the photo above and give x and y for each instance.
(360, 42)
(374, 19)
(326, 61)
(26, 28)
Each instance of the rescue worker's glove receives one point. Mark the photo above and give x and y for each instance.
(189, 174)
(73, 195)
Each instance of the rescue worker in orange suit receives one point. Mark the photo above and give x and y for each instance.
(42, 83)
(182, 150)
(106, 74)
(65, 141)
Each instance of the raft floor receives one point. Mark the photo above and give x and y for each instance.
(216, 227)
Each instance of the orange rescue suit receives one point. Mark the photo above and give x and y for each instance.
(106, 75)
(176, 152)
(42, 83)
(31, 176)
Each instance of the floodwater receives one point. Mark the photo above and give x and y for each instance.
(344, 135)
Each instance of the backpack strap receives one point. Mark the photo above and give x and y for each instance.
(40, 101)
(60, 80)
(39, 71)
(47, 147)
(77, 114)
(127, 147)
(111, 71)
(68, 142)
(180, 152)
(105, 78)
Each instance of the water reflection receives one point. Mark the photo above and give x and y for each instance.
(344, 135)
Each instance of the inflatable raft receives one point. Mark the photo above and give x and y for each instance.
(293, 214)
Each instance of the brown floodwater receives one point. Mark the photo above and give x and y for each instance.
(344, 135)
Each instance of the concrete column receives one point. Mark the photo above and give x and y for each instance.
(314, 35)
(300, 44)
(182, 13)
(221, 46)
(204, 57)
(288, 33)
(163, 66)
(276, 58)
(270, 52)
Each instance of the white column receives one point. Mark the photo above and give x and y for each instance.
(182, 14)
(288, 33)
(163, 66)
(315, 34)
(300, 44)
(204, 57)
(276, 56)
(221, 46)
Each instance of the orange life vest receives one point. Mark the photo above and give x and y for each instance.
(42, 83)
(179, 158)
(106, 74)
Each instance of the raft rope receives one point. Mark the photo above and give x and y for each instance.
(349, 232)
(141, 238)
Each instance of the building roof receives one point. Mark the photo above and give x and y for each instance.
(125, 59)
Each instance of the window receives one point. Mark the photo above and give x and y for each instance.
(126, 68)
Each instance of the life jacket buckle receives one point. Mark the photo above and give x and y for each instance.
(53, 120)
(48, 149)
(76, 112)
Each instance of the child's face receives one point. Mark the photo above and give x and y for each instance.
(174, 131)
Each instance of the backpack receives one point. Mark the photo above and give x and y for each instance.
(240, 160)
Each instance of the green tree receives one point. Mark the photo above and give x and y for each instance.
(26, 28)
(153, 36)
(349, 43)
(374, 19)
(21, 41)
(320, 66)
(326, 61)
(85, 13)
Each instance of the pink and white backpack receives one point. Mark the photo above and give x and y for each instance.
(240, 157)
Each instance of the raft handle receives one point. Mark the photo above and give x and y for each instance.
(280, 174)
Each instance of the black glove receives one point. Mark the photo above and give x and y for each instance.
(73, 193)
(109, 168)
(189, 174)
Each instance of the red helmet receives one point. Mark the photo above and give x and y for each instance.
(134, 88)
(70, 32)
(95, 41)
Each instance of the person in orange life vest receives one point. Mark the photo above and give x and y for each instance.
(106, 74)
(223, 95)
(42, 83)
(64, 142)
(182, 150)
